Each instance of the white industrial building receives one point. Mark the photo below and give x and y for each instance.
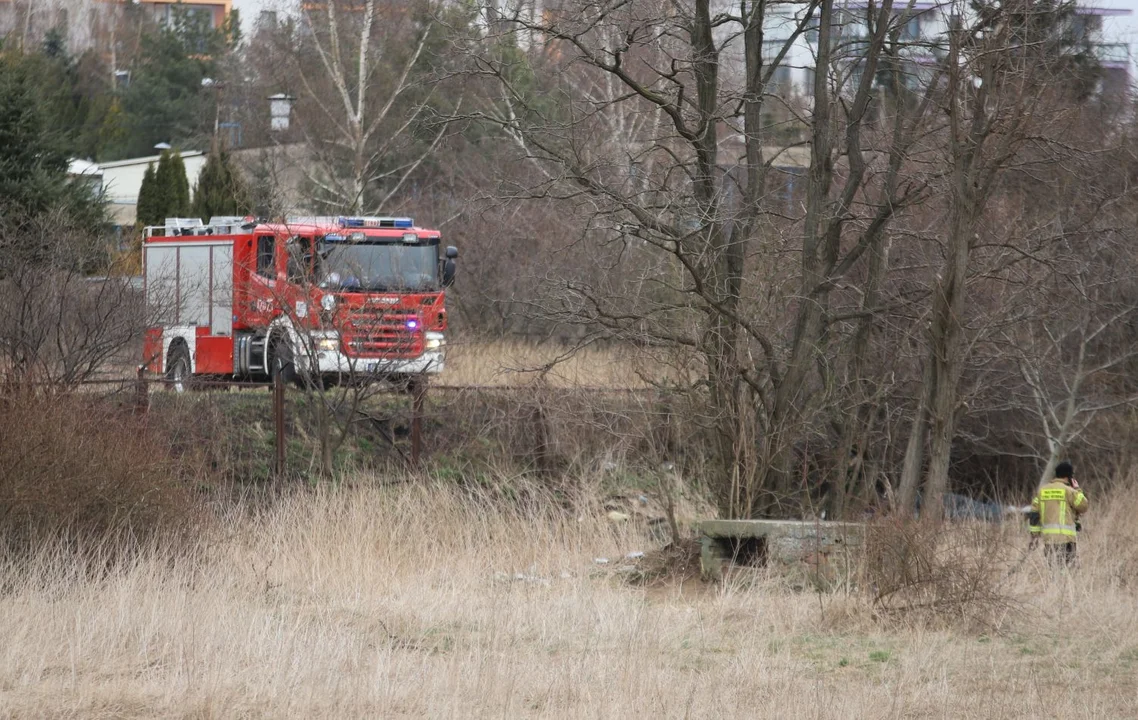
(121, 180)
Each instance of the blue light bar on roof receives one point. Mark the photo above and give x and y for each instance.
(377, 222)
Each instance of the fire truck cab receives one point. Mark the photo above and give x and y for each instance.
(310, 297)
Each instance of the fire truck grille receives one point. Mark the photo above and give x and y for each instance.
(384, 333)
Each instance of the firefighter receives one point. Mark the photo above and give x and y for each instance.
(1055, 510)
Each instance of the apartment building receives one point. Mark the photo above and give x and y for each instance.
(88, 22)
(162, 10)
(924, 37)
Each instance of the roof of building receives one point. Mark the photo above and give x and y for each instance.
(1104, 11)
(77, 166)
(148, 159)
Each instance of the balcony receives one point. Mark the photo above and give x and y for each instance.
(1112, 55)
(215, 10)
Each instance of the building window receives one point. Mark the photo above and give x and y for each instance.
(911, 29)
(779, 83)
(1085, 28)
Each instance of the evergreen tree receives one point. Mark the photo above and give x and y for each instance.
(172, 189)
(31, 161)
(220, 189)
(55, 44)
(264, 188)
(165, 101)
(149, 211)
(34, 158)
(181, 185)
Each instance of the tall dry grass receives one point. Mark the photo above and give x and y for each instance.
(421, 601)
(516, 362)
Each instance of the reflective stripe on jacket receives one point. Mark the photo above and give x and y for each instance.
(1058, 505)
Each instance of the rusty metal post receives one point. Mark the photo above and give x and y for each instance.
(141, 392)
(279, 422)
(541, 456)
(418, 399)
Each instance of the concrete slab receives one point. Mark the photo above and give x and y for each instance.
(822, 550)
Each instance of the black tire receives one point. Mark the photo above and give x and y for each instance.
(179, 375)
(282, 361)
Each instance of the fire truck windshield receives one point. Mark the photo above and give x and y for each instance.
(376, 266)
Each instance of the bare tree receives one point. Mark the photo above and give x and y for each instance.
(365, 104)
(1073, 353)
(59, 326)
(1002, 66)
(680, 207)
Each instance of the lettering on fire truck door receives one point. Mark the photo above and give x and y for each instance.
(264, 285)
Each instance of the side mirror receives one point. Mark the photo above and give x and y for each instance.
(452, 252)
(449, 268)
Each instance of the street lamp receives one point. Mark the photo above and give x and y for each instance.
(216, 86)
(280, 109)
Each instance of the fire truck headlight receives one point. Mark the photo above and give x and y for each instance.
(328, 302)
(327, 344)
(435, 340)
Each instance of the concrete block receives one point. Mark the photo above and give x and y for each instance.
(820, 549)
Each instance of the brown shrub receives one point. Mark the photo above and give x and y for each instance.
(84, 470)
(940, 574)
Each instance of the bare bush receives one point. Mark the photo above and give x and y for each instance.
(80, 469)
(58, 324)
(939, 575)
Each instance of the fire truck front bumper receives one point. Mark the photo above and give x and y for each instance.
(333, 362)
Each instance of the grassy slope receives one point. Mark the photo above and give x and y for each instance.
(403, 602)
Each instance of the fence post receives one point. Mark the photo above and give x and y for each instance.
(141, 392)
(542, 458)
(279, 422)
(418, 399)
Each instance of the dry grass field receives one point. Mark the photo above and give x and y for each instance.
(414, 601)
(506, 362)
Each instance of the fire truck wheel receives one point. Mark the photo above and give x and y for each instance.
(282, 360)
(178, 367)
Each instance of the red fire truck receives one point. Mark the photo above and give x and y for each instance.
(309, 298)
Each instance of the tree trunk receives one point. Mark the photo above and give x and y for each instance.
(915, 449)
(722, 274)
(945, 334)
(855, 425)
(777, 445)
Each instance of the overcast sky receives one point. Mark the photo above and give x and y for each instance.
(1125, 29)
(250, 9)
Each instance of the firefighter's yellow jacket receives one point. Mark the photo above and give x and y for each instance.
(1058, 505)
